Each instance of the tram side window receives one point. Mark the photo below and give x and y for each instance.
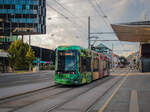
(95, 65)
(105, 65)
(108, 65)
(88, 64)
(82, 64)
(61, 62)
(85, 64)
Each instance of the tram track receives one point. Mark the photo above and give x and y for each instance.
(17, 109)
(54, 88)
(16, 96)
(88, 109)
(40, 99)
(77, 95)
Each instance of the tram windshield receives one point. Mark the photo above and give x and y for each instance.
(67, 61)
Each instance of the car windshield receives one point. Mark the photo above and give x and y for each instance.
(66, 61)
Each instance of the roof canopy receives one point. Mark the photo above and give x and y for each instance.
(133, 32)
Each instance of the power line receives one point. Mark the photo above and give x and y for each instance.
(63, 7)
(99, 6)
(104, 15)
(97, 11)
(93, 6)
(74, 24)
(104, 40)
(74, 16)
(57, 11)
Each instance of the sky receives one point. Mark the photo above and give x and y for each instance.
(67, 22)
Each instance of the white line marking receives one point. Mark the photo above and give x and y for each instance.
(134, 107)
(110, 98)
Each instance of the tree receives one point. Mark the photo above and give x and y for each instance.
(20, 55)
(12, 56)
(21, 50)
(30, 57)
(123, 61)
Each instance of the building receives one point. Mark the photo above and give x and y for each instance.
(46, 56)
(19, 17)
(22, 17)
(4, 45)
(101, 48)
(136, 32)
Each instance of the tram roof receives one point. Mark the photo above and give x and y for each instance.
(69, 47)
(133, 31)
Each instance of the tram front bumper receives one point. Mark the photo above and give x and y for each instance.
(66, 81)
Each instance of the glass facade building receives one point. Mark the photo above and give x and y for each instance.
(22, 17)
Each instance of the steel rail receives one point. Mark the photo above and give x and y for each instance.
(73, 97)
(90, 108)
(9, 98)
(51, 96)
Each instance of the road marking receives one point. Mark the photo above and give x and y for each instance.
(134, 107)
(109, 99)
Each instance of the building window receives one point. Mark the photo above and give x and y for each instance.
(27, 7)
(23, 7)
(19, 7)
(95, 65)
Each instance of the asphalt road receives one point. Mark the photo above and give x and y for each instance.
(82, 97)
(12, 79)
(123, 91)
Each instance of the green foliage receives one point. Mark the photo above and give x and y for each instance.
(20, 55)
(123, 60)
(12, 55)
(30, 56)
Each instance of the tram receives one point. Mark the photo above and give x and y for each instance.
(75, 65)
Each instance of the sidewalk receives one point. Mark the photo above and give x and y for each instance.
(132, 96)
(16, 90)
(4, 74)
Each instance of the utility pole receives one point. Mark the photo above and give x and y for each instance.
(112, 56)
(89, 45)
(30, 40)
(22, 37)
(145, 16)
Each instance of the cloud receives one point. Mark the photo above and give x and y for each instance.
(74, 30)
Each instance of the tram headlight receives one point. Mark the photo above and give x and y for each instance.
(76, 82)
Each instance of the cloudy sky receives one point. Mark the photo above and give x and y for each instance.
(67, 22)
